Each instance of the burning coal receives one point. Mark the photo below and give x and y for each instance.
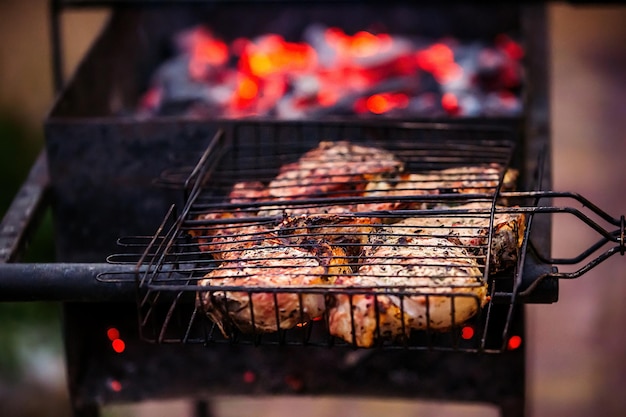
(332, 73)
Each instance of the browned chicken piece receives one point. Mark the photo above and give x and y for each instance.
(458, 180)
(431, 284)
(247, 192)
(332, 167)
(469, 228)
(271, 266)
(225, 241)
(463, 180)
(292, 210)
(390, 188)
(348, 231)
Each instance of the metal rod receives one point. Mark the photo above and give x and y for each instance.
(56, 44)
(203, 408)
(67, 282)
(21, 217)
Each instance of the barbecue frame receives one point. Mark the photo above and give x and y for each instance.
(172, 264)
(87, 394)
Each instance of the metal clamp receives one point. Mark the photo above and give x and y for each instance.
(607, 236)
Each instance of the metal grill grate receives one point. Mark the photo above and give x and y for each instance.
(351, 254)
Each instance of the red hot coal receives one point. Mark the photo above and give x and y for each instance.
(334, 73)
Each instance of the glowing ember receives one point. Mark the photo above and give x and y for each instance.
(514, 342)
(294, 383)
(249, 377)
(204, 50)
(439, 61)
(271, 54)
(450, 103)
(467, 332)
(333, 72)
(115, 385)
(377, 104)
(247, 89)
(513, 49)
(118, 345)
(151, 99)
(362, 44)
(113, 333)
(327, 97)
(383, 103)
(205, 55)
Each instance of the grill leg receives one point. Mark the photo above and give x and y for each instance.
(91, 410)
(203, 408)
(512, 408)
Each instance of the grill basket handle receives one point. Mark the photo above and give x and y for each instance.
(608, 236)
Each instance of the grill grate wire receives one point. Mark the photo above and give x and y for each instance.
(177, 260)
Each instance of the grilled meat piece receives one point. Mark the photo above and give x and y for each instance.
(332, 168)
(390, 188)
(463, 180)
(247, 192)
(432, 284)
(458, 180)
(271, 265)
(226, 241)
(349, 232)
(291, 210)
(469, 228)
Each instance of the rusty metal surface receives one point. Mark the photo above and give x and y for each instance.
(103, 180)
(21, 217)
(99, 375)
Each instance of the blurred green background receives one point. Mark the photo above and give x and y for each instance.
(30, 333)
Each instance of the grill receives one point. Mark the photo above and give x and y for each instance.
(174, 204)
(177, 261)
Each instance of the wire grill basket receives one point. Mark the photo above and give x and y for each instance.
(293, 234)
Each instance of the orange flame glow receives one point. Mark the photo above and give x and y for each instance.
(327, 97)
(438, 59)
(374, 73)
(211, 51)
(247, 88)
(450, 103)
(362, 44)
(272, 55)
(383, 103)
(205, 52)
(377, 104)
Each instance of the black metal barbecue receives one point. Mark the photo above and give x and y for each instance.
(138, 203)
